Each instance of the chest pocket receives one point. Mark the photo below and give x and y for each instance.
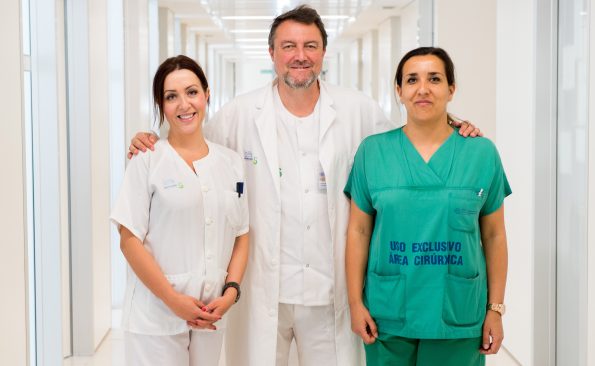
(232, 209)
(463, 210)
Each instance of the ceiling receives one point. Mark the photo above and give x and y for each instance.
(242, 26)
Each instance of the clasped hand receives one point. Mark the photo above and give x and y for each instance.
(198, 314)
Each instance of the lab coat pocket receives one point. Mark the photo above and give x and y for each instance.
(385, 296)
(463, 211)
(464, 301)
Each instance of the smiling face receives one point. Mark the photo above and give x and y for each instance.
(184, 102)
(297, 54)
(424, 89)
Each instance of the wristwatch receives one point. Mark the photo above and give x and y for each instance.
(234, 285)
(499, 308)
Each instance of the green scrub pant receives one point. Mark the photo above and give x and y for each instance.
(390, 350)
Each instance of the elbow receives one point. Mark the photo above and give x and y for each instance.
(123, 247)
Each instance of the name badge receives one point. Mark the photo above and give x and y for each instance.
(321, 182)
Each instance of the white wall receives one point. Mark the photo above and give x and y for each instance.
(515, 96)
(410, 19)
(573, 179)
(331, 68)
(63, 178)
(389, 41)
(118, 143)
(166, 34)
(466, 29)
(253, 73)
(350, 65)
(369, 61)
(545, 193)
(137, 71)
(50, 208)
(492, 46)
(13, 307)
(100, 167)
(591, 201)
(90, 175)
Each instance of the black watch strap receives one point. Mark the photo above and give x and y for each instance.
(234, 285)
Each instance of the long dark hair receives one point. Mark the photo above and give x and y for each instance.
(168, 66)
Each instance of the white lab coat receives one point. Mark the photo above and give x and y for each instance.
(248, 125)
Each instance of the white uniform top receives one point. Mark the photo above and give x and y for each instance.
(306, 270)
(188, 221)
(248, 125)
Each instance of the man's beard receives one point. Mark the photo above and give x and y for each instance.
(304, 84)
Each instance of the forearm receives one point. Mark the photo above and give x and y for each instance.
(144, 266)
(359, 233)
(496, 254)
(356, 260)
(493, 237)
(239, 259)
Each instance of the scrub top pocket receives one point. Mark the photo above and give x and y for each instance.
(152, 316)
(463, 211)
(233, 211)
(385, 296)
(213, 287)
(464, 300)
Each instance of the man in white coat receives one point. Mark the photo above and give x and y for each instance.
(298, 136)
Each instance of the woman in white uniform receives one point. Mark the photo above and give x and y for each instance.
(183, 221)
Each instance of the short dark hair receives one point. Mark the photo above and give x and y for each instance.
(302, 14)
(168, 66)
(449, 67)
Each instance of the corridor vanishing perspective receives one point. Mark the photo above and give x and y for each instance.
(79, 76)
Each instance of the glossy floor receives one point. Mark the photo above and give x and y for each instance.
(111, 353)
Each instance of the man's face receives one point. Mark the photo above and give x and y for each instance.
(297, 54)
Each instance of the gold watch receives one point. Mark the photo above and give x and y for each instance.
(499, 308)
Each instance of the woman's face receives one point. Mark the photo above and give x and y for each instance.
(424, 89)
(184, 101)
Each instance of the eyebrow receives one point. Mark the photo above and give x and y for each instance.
(294, 42)
(188, 87)
(433, 73)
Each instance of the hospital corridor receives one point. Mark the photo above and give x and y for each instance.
(78, 86)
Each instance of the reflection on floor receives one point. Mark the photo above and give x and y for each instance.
(111, 353)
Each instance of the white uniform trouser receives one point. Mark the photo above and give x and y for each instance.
(192, 348)
(313, 328)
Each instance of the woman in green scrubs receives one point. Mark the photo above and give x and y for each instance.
(426, 254)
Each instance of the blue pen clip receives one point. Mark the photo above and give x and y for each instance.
(240, 188)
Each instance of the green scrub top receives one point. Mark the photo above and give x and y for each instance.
(426, 274)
